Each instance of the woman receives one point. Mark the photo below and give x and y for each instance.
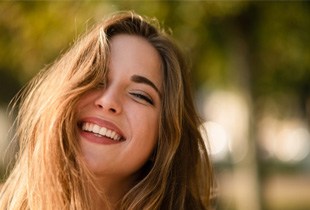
(111, 125)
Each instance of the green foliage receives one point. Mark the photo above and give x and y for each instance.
(272, 38)
(259, 47)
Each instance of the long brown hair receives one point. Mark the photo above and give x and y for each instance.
(50, 173)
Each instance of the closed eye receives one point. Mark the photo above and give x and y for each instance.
(101, 85)
(143, 97)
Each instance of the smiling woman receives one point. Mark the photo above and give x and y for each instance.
(111, 125)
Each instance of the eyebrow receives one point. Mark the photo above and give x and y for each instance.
(144, 80)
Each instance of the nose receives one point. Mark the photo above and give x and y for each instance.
(108, 101)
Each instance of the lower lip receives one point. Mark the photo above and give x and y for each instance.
(91, 137)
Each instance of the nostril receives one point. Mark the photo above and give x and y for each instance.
(112, 110)
(108, 104)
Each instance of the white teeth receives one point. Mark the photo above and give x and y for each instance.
(108, 134)
(103, 131)
(84, 126)
(96, 129)
(113, 134)
(100, 131)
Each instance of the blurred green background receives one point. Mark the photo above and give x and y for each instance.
(250, 71)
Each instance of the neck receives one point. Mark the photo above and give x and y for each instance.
(109, 192)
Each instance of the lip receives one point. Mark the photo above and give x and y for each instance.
(102, 123)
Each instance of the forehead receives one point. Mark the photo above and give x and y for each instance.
(134, 54)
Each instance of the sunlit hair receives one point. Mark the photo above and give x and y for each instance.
(50, 172)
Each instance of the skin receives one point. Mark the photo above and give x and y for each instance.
(129, 104)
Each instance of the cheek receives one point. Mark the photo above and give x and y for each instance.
(144, 120)
(145, 127)
(86, 99)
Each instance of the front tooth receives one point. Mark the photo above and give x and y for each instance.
(108, 134)
(96, 129)
(103, 131)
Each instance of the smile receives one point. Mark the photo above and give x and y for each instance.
(101, 131)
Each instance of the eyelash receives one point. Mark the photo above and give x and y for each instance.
(143, 97)
(139, 96)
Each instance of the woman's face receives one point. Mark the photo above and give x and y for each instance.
(118, 123)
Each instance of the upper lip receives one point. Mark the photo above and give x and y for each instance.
(103, 123)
